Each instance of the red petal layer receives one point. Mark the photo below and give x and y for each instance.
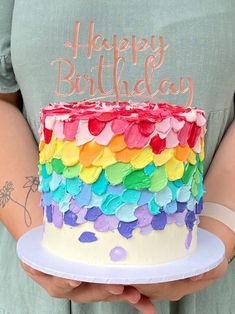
(158, 144)
(47, 135)
(194, 134)
(184, 133)
(96, 126)
(106, 116)
(146, 128)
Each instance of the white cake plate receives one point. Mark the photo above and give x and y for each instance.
(208, 255)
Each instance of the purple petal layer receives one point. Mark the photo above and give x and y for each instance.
(106, 223)
(57, 217)
(159, 221)
(199, 206)
(143, 215)
(70, 218)
(126, 228)
(49, 213)
(146, 229)
(190, 218)
(181, 207)
(93, 213)
(188, 240)
(87, 237)
(81, 215)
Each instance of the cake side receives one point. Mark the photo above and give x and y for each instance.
(121, 180)
(141, 249)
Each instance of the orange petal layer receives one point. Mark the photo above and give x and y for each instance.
(89, 152)
(182, 152)
(127, 154)
(117, 143)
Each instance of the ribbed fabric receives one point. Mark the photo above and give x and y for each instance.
(220, 213)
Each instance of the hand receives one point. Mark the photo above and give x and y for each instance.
(175, 290)
(82, 292)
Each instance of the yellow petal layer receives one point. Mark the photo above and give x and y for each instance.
(41, 146)
(144, 157)
(105, 159)
(42, 159)
(192, 157)
(161, 159)
(58, 149)
(202, 153)
(70, 153)
(174, 169)
(49, 149)
(90, 174)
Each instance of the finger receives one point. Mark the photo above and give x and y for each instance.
(217, 272)
(89, 292)
(57, 281)
(198, 277)
(28, 269)
(62, 283)
(46, 281)
(55, 287)
(145, 306)
(130, 295)
(114, 289)
(213, 274)
(185, 287)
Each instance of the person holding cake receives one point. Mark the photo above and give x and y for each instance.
(120, 167)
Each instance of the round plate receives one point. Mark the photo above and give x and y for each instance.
(209, 254)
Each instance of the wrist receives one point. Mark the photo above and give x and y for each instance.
(221, 231)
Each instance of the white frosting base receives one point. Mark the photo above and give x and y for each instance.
(155, 247)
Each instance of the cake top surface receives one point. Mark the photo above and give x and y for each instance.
(107, 111)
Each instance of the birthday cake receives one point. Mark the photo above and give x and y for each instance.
(121, 183)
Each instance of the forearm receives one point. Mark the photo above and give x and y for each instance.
(220, 180)
(19, 208)
(220, 188)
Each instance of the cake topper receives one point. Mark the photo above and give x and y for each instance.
(107, 79)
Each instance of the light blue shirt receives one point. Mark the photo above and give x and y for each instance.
(44, 53)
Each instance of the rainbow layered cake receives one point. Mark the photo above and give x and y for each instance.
(121, 183)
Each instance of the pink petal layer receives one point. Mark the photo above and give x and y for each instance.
(164, 125)
(172, 139)
(133, 137)
(83, 135)
(176, 124)
(70, 129)
(105, 136)
(119, 126)
(59, 130)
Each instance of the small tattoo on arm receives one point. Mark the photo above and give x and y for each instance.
(31, 185)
